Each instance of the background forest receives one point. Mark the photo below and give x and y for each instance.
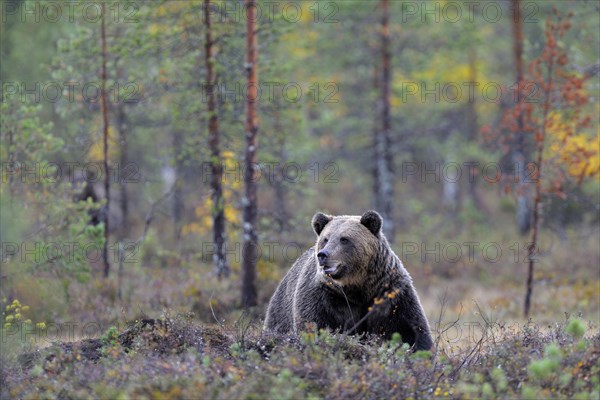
(218, 132)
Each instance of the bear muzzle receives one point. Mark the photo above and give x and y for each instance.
(322, 256)
(332, 269)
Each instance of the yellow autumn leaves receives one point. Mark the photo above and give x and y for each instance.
(231, 185)
(577, 152)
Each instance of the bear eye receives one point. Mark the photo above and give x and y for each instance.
(325, 241)
(344, 240)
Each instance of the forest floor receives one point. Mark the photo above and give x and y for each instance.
(175, 332)
(177, 358)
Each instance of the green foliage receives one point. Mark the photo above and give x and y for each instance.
(499, 379)
(576, 328)
(26, 139)
(110, 336)
(422, 354)
(396, 339)
(541, 369)
(547, 366)
(529, 392)
(553, 352)
(288, 386)
(46, 230)
(209, 362)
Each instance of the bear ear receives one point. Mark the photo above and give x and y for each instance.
(319, 221)
(373, 221)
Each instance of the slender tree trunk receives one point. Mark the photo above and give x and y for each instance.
(531, 250)
(472, 123)
(11, 160)
(277, 180)
(250, 248)
(218, 203)
(473, 130)
(520, 154)
(105, 142)
(178, 193)
(384, 195)
(376, 127)
(450, 186)
(123, 160)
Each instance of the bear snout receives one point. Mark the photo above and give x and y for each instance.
(322, 257)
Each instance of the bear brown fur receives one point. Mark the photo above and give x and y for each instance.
(350, 280)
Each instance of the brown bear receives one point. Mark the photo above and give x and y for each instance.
(350, 280)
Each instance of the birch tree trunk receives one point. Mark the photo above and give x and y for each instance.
(103, 79)
(250, 247)
(178, 192)
(520, 155)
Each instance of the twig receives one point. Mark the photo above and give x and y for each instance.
(213, 311)
(150, 214)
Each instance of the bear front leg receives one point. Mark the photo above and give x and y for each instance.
(424, 340)
(413, 324)
(402, 313)
(413, 329)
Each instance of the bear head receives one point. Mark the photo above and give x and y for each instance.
(346, 245)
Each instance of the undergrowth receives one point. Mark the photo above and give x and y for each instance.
(175, 357)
